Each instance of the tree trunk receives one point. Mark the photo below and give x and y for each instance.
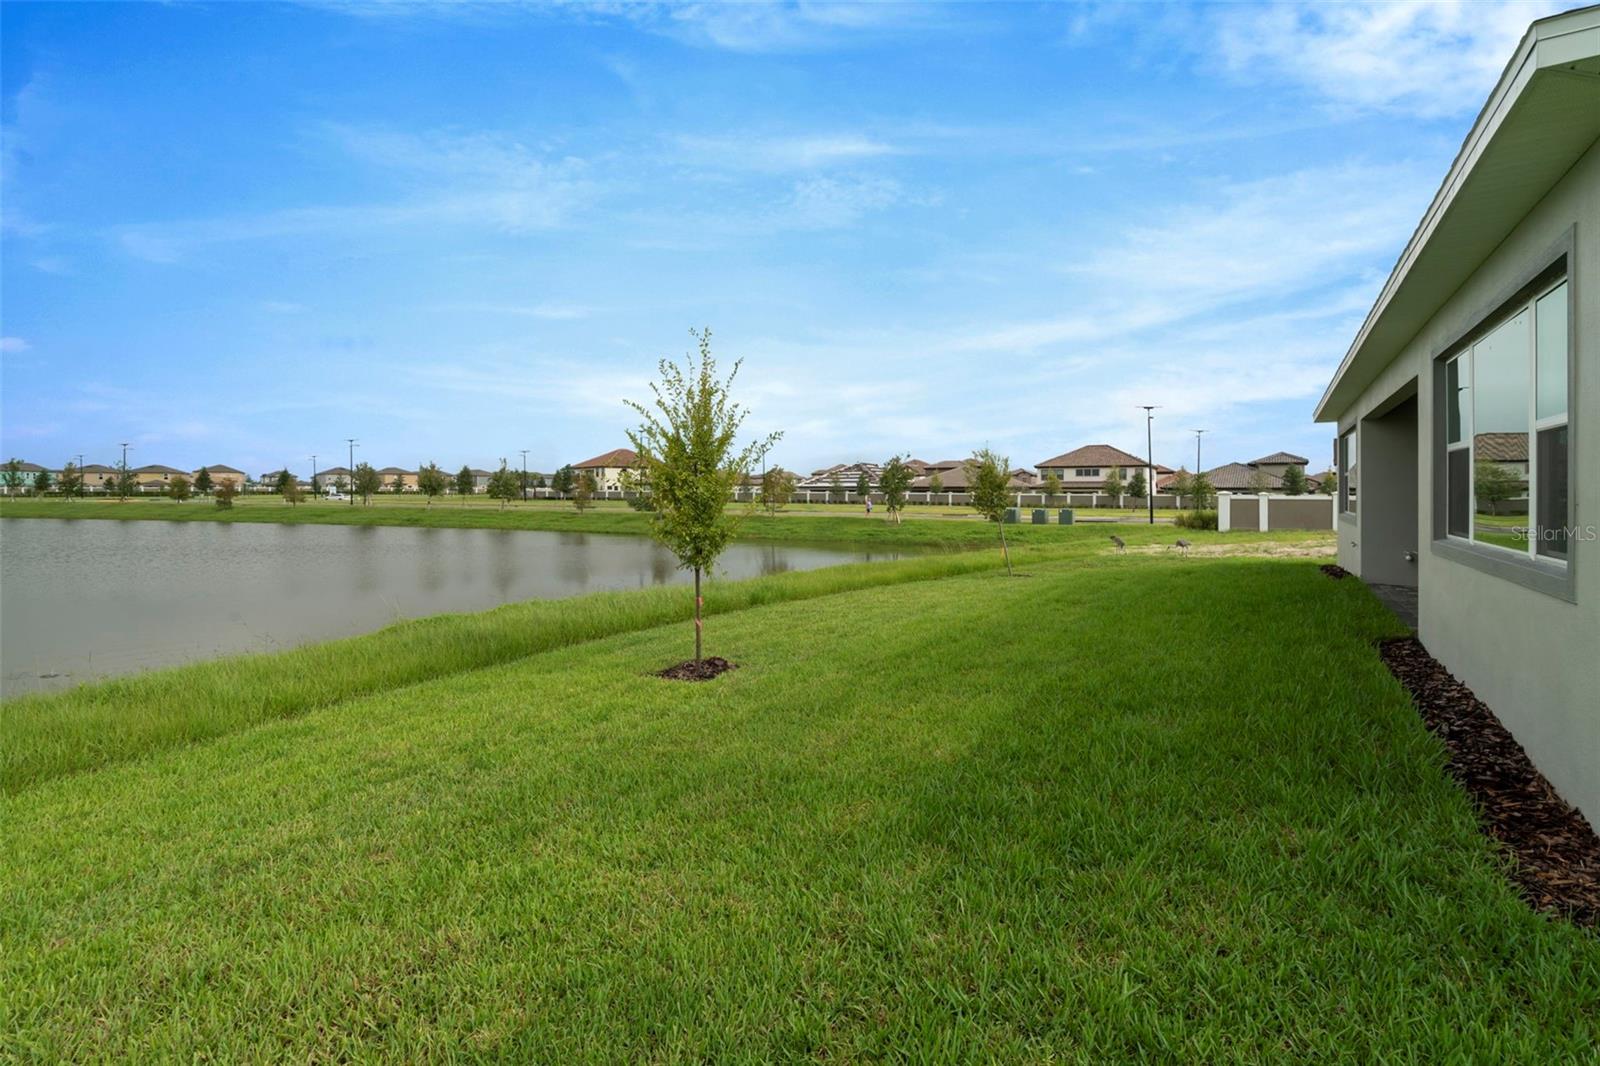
(698, 625)
(1005, 551)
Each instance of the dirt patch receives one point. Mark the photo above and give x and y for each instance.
(1556, 852)
(1335, 571)
(1258, 550)
(704, 670)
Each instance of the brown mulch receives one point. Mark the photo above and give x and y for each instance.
(1557, 854)
(1335, 571)
(690, 670)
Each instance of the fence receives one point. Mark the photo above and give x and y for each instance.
(1263, 512)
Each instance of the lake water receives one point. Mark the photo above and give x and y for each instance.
(81, 599)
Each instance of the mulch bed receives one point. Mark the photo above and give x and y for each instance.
(704, 670)
(1557, 854)
(1335, 571)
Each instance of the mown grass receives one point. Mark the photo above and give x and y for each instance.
(1145, 809)
(815, 526)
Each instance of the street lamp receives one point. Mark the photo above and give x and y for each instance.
(1149, 460)
(352, 468)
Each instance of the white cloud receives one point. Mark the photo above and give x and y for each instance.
(13, 345)
(1428, 58)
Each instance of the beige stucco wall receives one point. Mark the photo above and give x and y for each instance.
(1533, 657)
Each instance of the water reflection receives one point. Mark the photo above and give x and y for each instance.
(86, 598)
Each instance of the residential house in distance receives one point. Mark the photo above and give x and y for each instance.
(155, 477)
(1084, 469)
(607, 468)
(1481, 335)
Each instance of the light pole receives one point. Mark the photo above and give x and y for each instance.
(352, 468)
(1149, 460)
(524, 475)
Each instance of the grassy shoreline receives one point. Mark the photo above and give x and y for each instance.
(1125, 808)
(843, 526)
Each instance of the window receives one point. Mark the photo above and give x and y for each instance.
(1506, 439)
(1347, 472)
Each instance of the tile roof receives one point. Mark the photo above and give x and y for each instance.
(615, 457)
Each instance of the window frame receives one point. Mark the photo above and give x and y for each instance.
(1552, 575)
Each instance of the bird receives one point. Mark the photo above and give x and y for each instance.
(1182, 545)
(1122, 545)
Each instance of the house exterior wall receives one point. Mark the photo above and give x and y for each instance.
(1475, 620)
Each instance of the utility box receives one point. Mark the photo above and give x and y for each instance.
(1012, 516)
(1065, 516)
(1041, 517)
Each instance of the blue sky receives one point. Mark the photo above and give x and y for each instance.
(242, 233)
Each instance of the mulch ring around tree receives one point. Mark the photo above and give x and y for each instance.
(1556, 852)
(1335, 571)
(703, 670)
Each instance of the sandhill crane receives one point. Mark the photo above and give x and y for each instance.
(1182, 546)
(1122, 545)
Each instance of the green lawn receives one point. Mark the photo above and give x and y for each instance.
(1124, 808)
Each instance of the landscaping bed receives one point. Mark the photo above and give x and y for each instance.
(1555, 851)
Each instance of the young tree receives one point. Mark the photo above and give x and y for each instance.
(1494, 484)
(179, 488)
(686, 444)
(202, 480)
(1294, 481)
(398, 485)
(1136, 484)
(465, 483)
(988, 481)
(431, 481)
(1203, 491)
(41, 483)
(1112, 485)
(71, 481)
(777, 488)
(564, 480)
(225, 490)
(863, 485)
(503, 486)
(1052, 484)
(367, 482)
(583, 492)
(11, 477)
(895, 484)
(281, 481)
(836, 489)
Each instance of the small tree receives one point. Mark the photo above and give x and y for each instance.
(989, 483)
(935, 482)
(202, 480)
(41, 482)
(686, 445)
(1112, 485)
(1494, 484)
(224, 491)
(431, 481)
(583, 492)
(71, 481)
(11, 477)
(895, 484)
(1203, 491)
(863, 485)
(281, 482)
(564, 480)
(836, 488)
(179, 488)
(1052, 484)
(777, 489)
(367, 482)
(503, 486)
(1136, 484)
(465, 483)
(1294, 481)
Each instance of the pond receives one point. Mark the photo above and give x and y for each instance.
(82, 599)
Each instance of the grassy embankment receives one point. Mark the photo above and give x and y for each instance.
(1125, 808)
(820, 524)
